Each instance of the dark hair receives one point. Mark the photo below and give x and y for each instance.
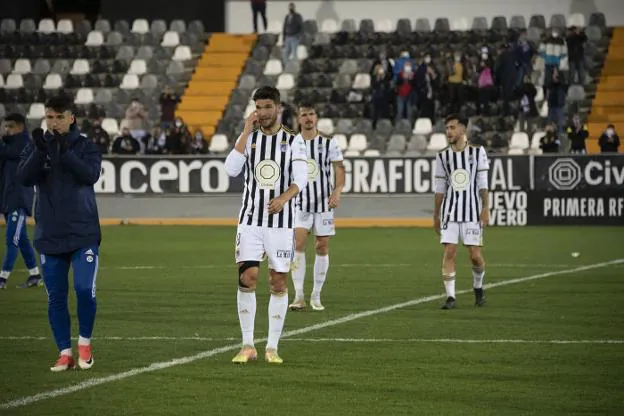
(60, 103)
(460, 119)
(16, 118)
(306, 104)
(268, 93)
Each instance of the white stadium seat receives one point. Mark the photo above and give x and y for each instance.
(361, 81)
(329, 26)
(341, 139)
(129, 82)
(182, 53)
(576, 19)
(437, 142)
(384, 25)
(1, 80)
(275, 27)
(80, 67)
(171, 39)
(273, 67)
(46, 26)
(137, 67)
(302, 52)
(22, 66)
(218, 143)
(351, 153)
(285, 82)
(371, 153)
(53, 82)
(140, 26)
(460, 24)
(95, 38)
(110, 126)
(84, 96)
(326, 125)
(36, 111)
(539, 97)
(358, 143)
(535, 142)
(519, 140)
(14, 81)
(515, 151)
(423, 126)
(65, 26)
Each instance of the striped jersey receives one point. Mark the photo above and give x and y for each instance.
(321, 152)
(461, 202)
(268, 174)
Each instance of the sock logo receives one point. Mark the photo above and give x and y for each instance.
(278, 316)
(243, 311)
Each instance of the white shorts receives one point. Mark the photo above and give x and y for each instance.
(253, 243)
(321, 222)
(470, 233)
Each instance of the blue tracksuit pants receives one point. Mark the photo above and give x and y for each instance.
(17, 241)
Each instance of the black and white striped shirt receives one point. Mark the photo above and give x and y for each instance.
(462, 202)
(321, 152)
(268, 172)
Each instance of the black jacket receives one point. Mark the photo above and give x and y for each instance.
(66, 213)
(609, 145)
(13, 195)
(577, 137)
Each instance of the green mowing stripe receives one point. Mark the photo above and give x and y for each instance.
(231, 347)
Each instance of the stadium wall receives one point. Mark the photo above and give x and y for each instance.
(524, 190)
(238, 12)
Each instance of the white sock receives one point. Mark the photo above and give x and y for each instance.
(83, 341)
(4, 274)
(278, 306)
(321, 265)
(298, 273)
(34, 271)
(246, 315)
(477, 277)
(66, 351)
(449, 284)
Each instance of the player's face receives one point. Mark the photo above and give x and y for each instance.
(307, 118)
(11, 128)
(59, 122)
(267, 113)
(454, 131)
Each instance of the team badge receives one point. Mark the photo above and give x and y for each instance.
(460, 179)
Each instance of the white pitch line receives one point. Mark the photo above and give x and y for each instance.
(23, 401)
(353, 340)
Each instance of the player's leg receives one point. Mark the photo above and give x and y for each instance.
(55, 275)
(303, 224)
(279, 249)
(28, 254)
(14, 224)
(472, 235)
(249, 252)
(449, 237)
(85, 264)
(323, 229)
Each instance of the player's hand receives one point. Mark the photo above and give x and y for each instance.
(251, 121)
(485, 217)
(39, 139)
(334, 199)
(276, 205)
(436, 225)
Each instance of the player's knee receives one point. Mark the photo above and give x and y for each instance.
(450, 251)
(278, 282)
(300, 244)
(322, 246)
(83, 291)
(248, 274)
(475, 257)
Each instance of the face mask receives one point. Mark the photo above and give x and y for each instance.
(407, 68)
(404, 54)
(178, 124)
(610, 132)
(457, 58)
(427, 59)
(484, 56)
(198, 136)
(555, 35)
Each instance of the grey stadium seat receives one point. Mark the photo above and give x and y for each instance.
(158, 27)
(178, 26)
(27, 26)
(517, 22)
(499, 23)
(149, 82)
(538, 20)
(558, 21)
(103, 96)
(247, 82)
(442, 25)
(145, 52)
(125, 53)
(349, 25)
(349, 66)
(8, 25)
(397, 142)
(103, 26)
(41, 67)
(423, 25)
(480, 23)
(594, 33)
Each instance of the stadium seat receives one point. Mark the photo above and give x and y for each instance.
(137, 67)
(149, 82)
(22, 66)
(95, 38)
(80, 67)
(515, 151)
(103, 97)
(129, 82)
(27, 26)
(598, 19)
(110, 126)
(41, 67)
(292, 67)
(329, 26)
(397, 143)
(285, 82)
(351, 153)
(357, 143)
(537, 20)
(145, 52)
(341, 139)
(460, 24)
(178, 26)
(218, 143)
(517, 22)
(384, 26)
(275, 27)
(158, 27)
(539, 96)
(423, 126)
(8, 25)
(302, 52)
(46, 26)
(520, 141)
(349, 26)
(140, 26)
(114, 39)
(102, 25)
(273, 67)
(535, 141)
(65, 26)
(543, 111)
(558, 21)
(53, 82)
(182, 53)
(326, 125)
(371, 153)
(417, 143)
(36, 111)
(14, 81)
(349, 66)
(576, 19)
(576, 93)
(84, 96)
(480, 23)
(437, 142)
(170, 39)
(361, 82)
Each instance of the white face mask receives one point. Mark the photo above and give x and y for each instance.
(555, 35)
(457, 58)
(484, 56)
(427, 59)
(178, 124)
(407, 68)
(610, 132)
(404, 54)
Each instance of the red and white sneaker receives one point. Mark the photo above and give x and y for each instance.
(64, 363)
(85, 357)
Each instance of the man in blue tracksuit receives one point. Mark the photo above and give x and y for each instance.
(15, 202)
(64, 166)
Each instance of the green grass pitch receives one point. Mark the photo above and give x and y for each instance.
(167, 293)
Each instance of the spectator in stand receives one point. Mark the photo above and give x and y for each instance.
(550, 142)
(387, 66)
(258, 7)
(524, 54)
(404, 90)
(93, 113)
(505, 74)
(557, 100)
(485, 85)
(136, 119)
(178, 139)
(576, 54)
(293, 28)
(287, 116)
(155, 142)
(380, 88)
(552, 50)
(577, 134)
(426, 85)
(609, 141)
(399, 64)
(99, 136)
(528, 107)
(456, 83)
(168, 102)
(125, 144)
(199, 145)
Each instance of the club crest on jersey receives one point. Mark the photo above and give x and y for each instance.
(313, 170)
(460, 179)
(267, 173)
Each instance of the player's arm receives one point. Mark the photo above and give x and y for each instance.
(299, 165)
(236, 159)
(441, 185)
(337, 160)
(483, 165)
(87, 166)
(31, 165)
(12, 151)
